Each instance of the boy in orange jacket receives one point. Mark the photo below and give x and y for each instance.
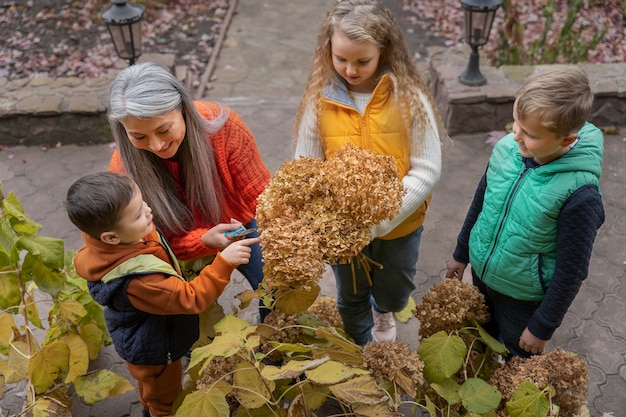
(151, 310)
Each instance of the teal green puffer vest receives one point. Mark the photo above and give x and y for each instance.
(513, 243)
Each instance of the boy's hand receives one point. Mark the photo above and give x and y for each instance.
(214, 237)
(531, 343)
(238, 252)
(456, 269)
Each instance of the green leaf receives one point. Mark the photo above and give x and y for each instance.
(407, 313)
(8, 241)
(205, 403)
(359, 390)
(332, 372)
(101, 384)
(19, 220)
(478, 396)
(292, 301)
(528, 401)
(50, 250)
(448, 389)
(489, 340)
(46, 365)
(49, 281)
(443, 356)
(250, 390)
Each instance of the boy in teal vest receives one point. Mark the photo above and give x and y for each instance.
(529, 231)
(151, 310)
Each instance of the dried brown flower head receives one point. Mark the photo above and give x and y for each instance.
(449, 306)
(564, 371)
(394, 362)
(316, 211)
(325, 308)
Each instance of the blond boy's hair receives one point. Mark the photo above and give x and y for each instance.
(560, 98)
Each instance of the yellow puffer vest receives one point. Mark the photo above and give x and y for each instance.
(380, 129)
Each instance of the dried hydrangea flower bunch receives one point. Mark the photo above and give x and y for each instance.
(316, 211)
(450, 306)
(396, 363)
(564, 371)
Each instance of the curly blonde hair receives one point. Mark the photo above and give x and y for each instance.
(368, 20)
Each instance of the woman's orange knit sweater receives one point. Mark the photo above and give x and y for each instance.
(242, 171)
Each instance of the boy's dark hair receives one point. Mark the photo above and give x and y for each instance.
(94, 202)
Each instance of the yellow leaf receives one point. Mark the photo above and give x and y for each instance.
(9, 290)
(6, 373)
(101, 384)
(7, 329)
(18, 359)
(315, 395)
(47, 365)
(31, 307)
(205, 403)
(208, 318)
(376, 410)
(250, 390)
(92, 335)
(295, 300)
(331, 334)
(43, 407)
(298, 407)
(224, 345)
(246, 298)
(336, 353)
(70, 313)
(333, 372)
(359, 390)
(78, 359)
(407, 313)
(234, 325)
(292, 369)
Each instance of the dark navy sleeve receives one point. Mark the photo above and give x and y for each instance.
(577, 227)
(461, 252)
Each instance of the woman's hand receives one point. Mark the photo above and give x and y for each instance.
(214, 237)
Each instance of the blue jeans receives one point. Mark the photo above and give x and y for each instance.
(391, 286)
(253, 270)
(509, 317)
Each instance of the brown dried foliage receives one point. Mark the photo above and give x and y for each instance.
(450, 306)
(564, 371)
(316, 211)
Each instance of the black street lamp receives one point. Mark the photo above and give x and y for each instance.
(124, 23)
(479, 15)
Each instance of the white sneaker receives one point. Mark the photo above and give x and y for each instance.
(384, 329)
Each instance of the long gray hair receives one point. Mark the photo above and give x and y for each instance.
(149, 90)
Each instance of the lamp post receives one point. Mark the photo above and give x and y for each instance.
(124, 23)
(479, 15)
